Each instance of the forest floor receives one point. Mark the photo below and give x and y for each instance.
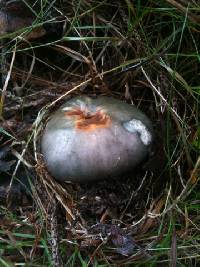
(145, 53)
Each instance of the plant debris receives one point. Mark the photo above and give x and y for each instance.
(138, 53)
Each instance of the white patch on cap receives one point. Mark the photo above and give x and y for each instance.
(79, 104)
(137, 126)
(67, 108)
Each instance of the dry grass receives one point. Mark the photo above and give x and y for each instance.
(145, 53)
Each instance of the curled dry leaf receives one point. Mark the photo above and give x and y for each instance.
(14, 18)
(124, 243)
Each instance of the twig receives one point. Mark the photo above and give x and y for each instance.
(54, 235)
(6, 82)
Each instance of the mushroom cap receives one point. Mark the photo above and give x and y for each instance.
(91, 139)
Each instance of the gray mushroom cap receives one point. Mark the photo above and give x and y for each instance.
(90, 139)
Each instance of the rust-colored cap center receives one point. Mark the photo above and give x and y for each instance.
(88, 121)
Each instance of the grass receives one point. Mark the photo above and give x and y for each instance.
(144, 52)
(17, 237)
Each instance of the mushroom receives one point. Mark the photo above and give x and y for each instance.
(91, 139)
